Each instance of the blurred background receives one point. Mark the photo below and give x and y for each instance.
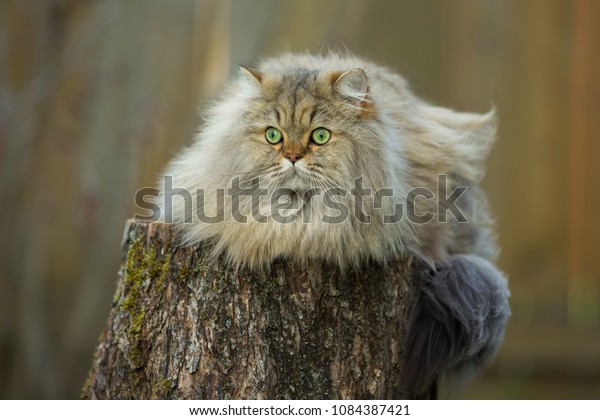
(96, 96)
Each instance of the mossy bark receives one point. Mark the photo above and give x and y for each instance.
(184, 325)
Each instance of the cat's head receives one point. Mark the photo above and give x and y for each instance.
(305, 128)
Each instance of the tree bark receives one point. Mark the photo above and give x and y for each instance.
(184, 325)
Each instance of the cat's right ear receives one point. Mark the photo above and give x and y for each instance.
(351, 84)
(251, 75)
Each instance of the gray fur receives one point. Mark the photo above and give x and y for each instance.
(457, 325)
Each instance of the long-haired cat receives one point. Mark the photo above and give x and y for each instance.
(332, 158)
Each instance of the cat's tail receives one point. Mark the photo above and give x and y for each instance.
(457, 324)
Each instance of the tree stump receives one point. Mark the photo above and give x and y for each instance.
(184, 325)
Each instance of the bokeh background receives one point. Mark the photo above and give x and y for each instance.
(96, 96)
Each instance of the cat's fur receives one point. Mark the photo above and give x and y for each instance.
(382, 133)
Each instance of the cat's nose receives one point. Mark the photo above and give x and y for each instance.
(292, 157)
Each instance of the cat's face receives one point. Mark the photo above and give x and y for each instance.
(310, 129)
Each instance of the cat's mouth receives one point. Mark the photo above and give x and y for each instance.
(295, 177)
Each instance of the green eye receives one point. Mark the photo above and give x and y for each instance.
(320, 135)
(273, 135)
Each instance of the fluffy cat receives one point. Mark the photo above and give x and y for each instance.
(305, 124)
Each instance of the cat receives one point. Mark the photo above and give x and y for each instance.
(362, 170)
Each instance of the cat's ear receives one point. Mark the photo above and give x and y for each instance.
(351, 84)
(251, 74)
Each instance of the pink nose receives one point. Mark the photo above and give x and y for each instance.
(293, 157)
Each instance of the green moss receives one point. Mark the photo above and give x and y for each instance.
(161, 387)
(134, 270)
(184, 272)
(161, 272)
(134, 355)
(135, 328)
(145, 269)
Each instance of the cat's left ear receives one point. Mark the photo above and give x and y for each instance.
(351, 84)
(251, 75)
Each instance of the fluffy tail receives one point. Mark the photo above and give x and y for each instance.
(457, 324)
